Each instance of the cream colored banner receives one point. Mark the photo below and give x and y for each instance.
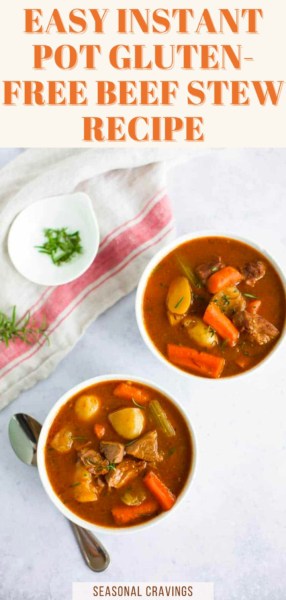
(94, 73)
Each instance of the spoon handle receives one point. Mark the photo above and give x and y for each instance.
(93, 552)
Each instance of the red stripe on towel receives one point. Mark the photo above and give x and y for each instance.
(111, 256)
(38, 347)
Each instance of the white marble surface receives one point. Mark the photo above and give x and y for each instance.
(232, 528)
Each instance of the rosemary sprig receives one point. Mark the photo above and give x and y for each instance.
(60, 245)
(24, 329)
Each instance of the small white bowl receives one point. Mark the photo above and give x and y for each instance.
(73, 211)
(42, 465)
(157, 259)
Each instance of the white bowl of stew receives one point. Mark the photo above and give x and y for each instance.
(211, 305)
(116, 454)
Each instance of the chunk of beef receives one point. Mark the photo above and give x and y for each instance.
(146, 447)
(259, 329)
(205, 270)
(125, 472)
(113, 451)
(93, 461)
(253, 271)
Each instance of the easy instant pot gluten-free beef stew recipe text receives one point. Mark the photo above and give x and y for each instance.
(118, 454)
(214, 307)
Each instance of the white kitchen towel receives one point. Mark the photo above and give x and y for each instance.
(128, 192)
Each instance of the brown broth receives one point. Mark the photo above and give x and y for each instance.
(173, 470)
(195, 252)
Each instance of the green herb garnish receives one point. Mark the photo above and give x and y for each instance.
(243, 350)
(61, 246)
(225, 299)
(81, 438)
(250, 296)
(24, 329)
(138, 405)
(179, 302)
(212, 331)
(129, 443)
(223, 302)
(214, 269)
(171, 451)
(111, 467)
(75, 484)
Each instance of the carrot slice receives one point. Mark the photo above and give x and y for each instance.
(200, 362)
(221, 323)
(99, 430)
(123, 515)
(226, 277)
(161, 492)
(254, 306)
(131, 392)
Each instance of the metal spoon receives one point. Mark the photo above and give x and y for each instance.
(24, 433)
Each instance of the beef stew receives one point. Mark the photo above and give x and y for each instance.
(118, 453)
(214, 307)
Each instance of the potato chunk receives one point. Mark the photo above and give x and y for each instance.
(230, 301)
(174, 319)
(63, 440)
(84, 489)
(128, 422)
(179, 298)
(86, 406)
(201, 333)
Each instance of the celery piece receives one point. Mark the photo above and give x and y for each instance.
(133, 497)
(160, 418)
(195, 281)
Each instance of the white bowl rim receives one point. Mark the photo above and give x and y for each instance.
(41, 454)
(209, 233)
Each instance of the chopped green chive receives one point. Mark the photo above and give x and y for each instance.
(171, 451)
(60, 245)
(250, 296)
(111, 467)
(179, 302)
(129, 443)
(138, 405)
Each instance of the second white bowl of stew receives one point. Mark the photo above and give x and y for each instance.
(116, 453)
(212, 306)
